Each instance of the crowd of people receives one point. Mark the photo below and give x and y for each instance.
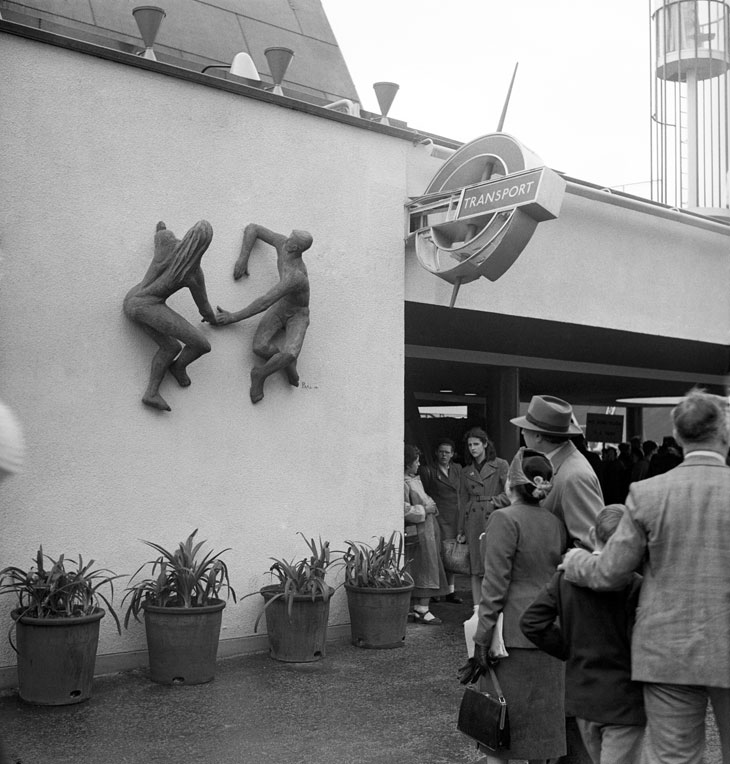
(618, 467)
(615, 606)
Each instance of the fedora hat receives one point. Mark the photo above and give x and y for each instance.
(548, 415)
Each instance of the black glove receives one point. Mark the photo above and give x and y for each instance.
(470, 672)
(481, 657)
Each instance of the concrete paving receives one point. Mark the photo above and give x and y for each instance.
(354, 706)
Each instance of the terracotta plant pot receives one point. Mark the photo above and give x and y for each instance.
(303, 637)
(378, 616)
(182, 643)
(56, 657)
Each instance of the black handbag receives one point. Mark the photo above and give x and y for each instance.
(484, 717)
(455, 557)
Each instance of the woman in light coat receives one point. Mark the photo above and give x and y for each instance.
(425, 564)
(481, 491)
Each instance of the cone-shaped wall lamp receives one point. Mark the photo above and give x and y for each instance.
(148, 18)
(385, 93)
(278, 60)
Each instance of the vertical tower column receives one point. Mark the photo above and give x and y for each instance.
(503, 404)
(690, 101)
(634, 422)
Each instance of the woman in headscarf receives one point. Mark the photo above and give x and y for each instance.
(524, 543)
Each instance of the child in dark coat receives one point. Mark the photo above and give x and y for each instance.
(591, 631)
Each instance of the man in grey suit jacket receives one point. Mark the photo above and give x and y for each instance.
(676, 530)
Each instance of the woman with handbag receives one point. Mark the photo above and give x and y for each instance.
(524, 543)
(442, 485)
(481, 491)
(425, 564)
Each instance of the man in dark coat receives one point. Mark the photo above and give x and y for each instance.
(442, 485)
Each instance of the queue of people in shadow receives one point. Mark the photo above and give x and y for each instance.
(615, 631)
(619, 466)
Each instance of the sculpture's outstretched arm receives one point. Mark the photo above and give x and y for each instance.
(251, 233)
(259, 305)
(200, 295)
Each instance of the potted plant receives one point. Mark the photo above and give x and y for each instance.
(296, 607)
(182, 610)
(378, 592)
(57, 626)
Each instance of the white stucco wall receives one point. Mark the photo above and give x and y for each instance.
(93, 154)
(602, 264)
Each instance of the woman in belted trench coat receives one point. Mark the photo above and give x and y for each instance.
(481, 491)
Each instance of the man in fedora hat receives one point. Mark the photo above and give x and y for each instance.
(576, 497)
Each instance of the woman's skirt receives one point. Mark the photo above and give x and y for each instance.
(425, 564)
(533, 684)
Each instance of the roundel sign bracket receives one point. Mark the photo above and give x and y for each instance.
(481, 208)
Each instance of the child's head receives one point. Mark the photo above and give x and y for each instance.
(606, 523)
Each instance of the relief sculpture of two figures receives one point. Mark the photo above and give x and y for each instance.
(176, 264)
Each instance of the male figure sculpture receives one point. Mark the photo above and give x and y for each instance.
(175, 264)
(286, 305)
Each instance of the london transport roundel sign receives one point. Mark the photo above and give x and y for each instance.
(481, 208)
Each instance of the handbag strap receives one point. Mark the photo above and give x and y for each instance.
(495, 681)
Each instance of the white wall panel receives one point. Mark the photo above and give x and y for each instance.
(93, 154)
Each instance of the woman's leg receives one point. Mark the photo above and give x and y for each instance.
(422, 613)
(167, 327)
(168, 348)
(189, 354)
(195, 346)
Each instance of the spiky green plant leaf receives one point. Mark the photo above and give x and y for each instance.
(186, 578)
(59, 588)
(379, 565)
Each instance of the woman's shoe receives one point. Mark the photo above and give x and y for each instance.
(453, 598)
(427, 618)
